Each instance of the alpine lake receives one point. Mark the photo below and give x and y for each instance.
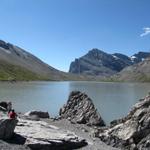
(112, 100)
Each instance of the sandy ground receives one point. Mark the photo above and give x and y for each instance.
(81, 131)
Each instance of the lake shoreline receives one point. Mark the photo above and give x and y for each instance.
(122, 133)
(113, 100)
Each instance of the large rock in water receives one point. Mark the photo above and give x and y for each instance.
(39, 135)
(131, 132)
(80, 109)
(7, 127)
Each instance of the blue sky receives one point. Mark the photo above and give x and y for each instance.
(58, 31)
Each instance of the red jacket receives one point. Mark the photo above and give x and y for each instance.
(12, 115)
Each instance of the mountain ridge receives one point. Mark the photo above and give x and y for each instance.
(18, 64)
(99, 63)
(16, 56)
(137, 72)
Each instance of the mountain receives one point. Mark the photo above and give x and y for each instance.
(137, 72)
(18, 64)
(136, 58)
(99, 63)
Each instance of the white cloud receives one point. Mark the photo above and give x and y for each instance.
(146, 31)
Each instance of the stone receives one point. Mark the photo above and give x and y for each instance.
(39, 114)
(3, 109)
(80, 109)
(7, 127)
(132, 131)
(39, 135)
(84, 130)
(3, 106)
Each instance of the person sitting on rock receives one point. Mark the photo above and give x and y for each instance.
(12, 114)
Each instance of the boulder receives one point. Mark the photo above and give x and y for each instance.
(39, 135)
(39, 114)
(7, 127)
(132, 131)
(80, 109)
(3, 106)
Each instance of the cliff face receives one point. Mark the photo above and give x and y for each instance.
(99, 63)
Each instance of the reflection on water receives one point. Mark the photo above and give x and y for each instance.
(113, 100)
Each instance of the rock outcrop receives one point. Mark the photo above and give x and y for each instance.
(7, 127)
(39, 114)
(39, 135)
(80, 109)
(132, 131)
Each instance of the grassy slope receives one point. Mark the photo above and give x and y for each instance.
(10, 72)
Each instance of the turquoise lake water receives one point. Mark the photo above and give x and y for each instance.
(113, 100)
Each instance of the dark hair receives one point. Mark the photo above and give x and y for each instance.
(13, 110)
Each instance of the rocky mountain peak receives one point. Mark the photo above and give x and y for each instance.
(121, 56)
(4, 45)
(96, 54)
(140, 56)
(96, 51)
(7, 48)
(99, 63)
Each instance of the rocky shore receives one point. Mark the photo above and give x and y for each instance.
(79, 126)
(131, 132)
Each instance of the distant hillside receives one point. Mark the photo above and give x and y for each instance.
(137, 72)
(18, 64)
(99, 63)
